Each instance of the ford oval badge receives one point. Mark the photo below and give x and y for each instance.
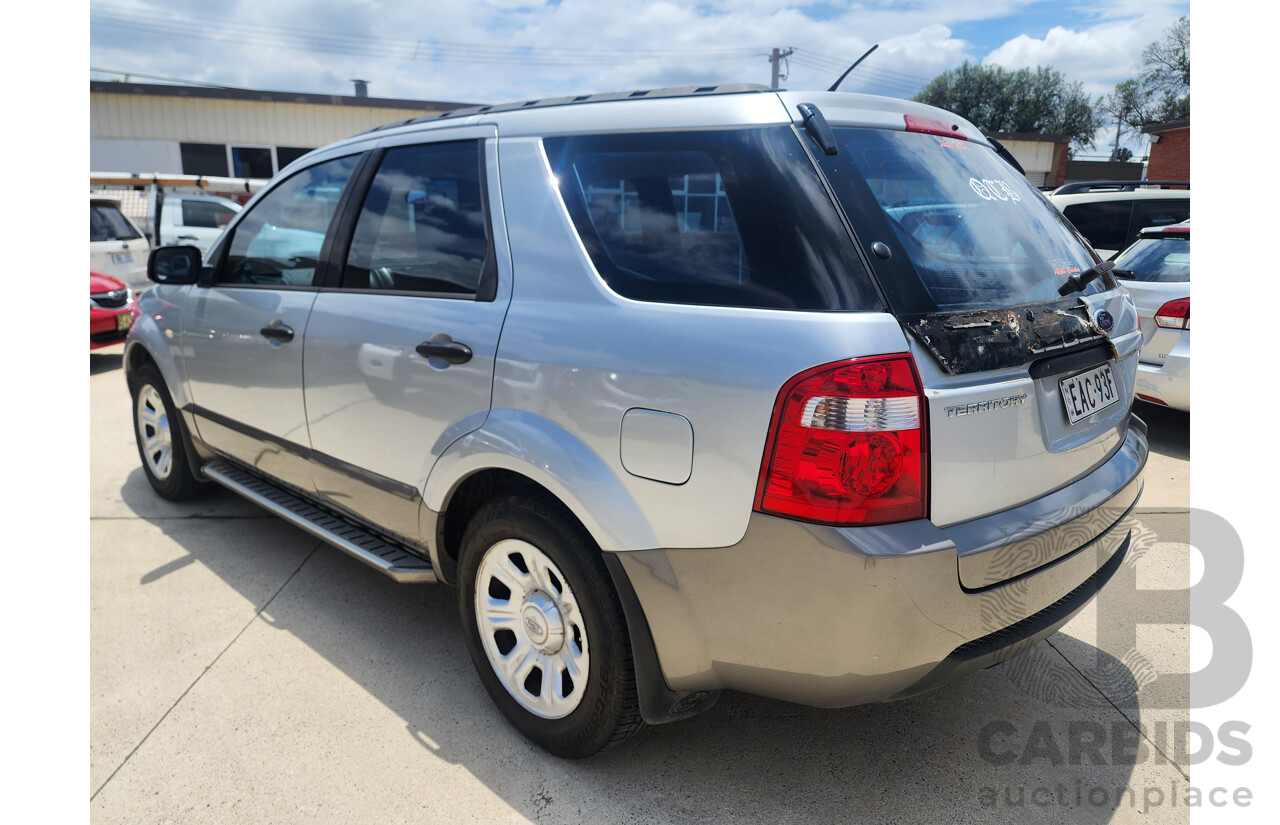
(1105, 321)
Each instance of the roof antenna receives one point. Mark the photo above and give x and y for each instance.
(854, 66)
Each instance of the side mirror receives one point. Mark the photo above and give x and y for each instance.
(174, 265)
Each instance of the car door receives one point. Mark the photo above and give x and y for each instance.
(242, 334)
(399, 355)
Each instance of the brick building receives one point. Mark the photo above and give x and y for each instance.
(1170, 150)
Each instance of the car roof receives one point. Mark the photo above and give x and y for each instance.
(1129, 195)
(684, 107)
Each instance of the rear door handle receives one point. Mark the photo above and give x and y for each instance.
(277, 332)
(442, 347)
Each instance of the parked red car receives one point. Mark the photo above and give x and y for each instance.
(110, 310)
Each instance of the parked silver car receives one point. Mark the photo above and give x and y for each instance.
(809, 395)
(1156, 271)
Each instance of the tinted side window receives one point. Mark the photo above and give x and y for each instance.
(422, 227)
(278, 242)
(1159, 213)
(1105, 224)
(206, 215)
(730, 218)
(106, 223)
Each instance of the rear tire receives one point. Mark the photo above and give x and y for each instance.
(545, 628)
(157, 428)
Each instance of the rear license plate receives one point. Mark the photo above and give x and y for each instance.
(122, 258)
(122, 321)
(1087, 392)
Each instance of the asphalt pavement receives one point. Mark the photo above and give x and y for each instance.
(243, 671)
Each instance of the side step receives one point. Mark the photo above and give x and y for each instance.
(391, 559)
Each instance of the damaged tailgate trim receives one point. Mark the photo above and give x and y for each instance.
(987, 339)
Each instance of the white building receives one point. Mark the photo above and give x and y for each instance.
(144, 127)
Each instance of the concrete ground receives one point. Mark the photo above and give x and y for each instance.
(243, 671)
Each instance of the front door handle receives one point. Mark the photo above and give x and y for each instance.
(442, 347)
(277, 332)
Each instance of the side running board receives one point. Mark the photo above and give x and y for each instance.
(391, 559)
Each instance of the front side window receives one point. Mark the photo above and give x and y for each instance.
(422, 227)
(278, 242)
(964, 230)
(720, 218)
(108, 223)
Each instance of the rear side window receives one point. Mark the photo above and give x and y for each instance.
(107, 223)
(422, 227)
(1159, 213)
(1105, 223)
(1164, 260)
(206, 215)
(731, 218)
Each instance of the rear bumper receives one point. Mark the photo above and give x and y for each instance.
(1169, 382)
(833, 617)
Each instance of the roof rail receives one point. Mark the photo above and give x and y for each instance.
(1115, 186)
(647, 94)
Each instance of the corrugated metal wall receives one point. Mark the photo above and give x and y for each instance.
(242, 122)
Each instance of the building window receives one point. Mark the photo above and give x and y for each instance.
(286, 155)
(252, 162)
(204, 159)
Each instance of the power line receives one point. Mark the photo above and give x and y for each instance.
(160, 77)
(361, 45)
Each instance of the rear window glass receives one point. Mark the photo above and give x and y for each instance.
(730, 218)
(107, 223)
(1164, 260)
(963, 229)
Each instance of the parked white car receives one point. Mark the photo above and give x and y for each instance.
(195, 220)
(117, 247)
(1110, 214)
(1157, 272)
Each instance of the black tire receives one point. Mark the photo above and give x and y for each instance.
(608, 711)
(177, 483)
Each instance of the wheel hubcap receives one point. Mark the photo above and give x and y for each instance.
(531, 629)
(154, 433)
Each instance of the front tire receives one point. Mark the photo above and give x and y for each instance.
(545, 628)
(157, 428)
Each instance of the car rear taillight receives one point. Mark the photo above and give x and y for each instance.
(847, 445)
(1175, 314)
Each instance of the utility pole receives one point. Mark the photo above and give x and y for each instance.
(775, 59)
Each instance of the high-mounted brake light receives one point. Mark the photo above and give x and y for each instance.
(1175, 314)
(847, 445)
(933, 126)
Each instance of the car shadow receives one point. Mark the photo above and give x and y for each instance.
(104, 362)
(977, 745)
(1168, 430)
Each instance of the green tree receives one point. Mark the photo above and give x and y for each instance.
(994, 99)
(1166, 64)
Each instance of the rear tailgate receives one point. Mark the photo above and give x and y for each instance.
(1027, 390)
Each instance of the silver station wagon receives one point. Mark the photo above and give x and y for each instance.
(809, 395)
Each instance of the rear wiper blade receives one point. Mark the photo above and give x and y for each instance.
(1080, 280)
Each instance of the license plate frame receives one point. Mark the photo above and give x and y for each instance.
(1088, 392)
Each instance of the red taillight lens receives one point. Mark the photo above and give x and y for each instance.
(1175, 314)
(847, 445)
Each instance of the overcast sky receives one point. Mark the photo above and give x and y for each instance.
(489, 51)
